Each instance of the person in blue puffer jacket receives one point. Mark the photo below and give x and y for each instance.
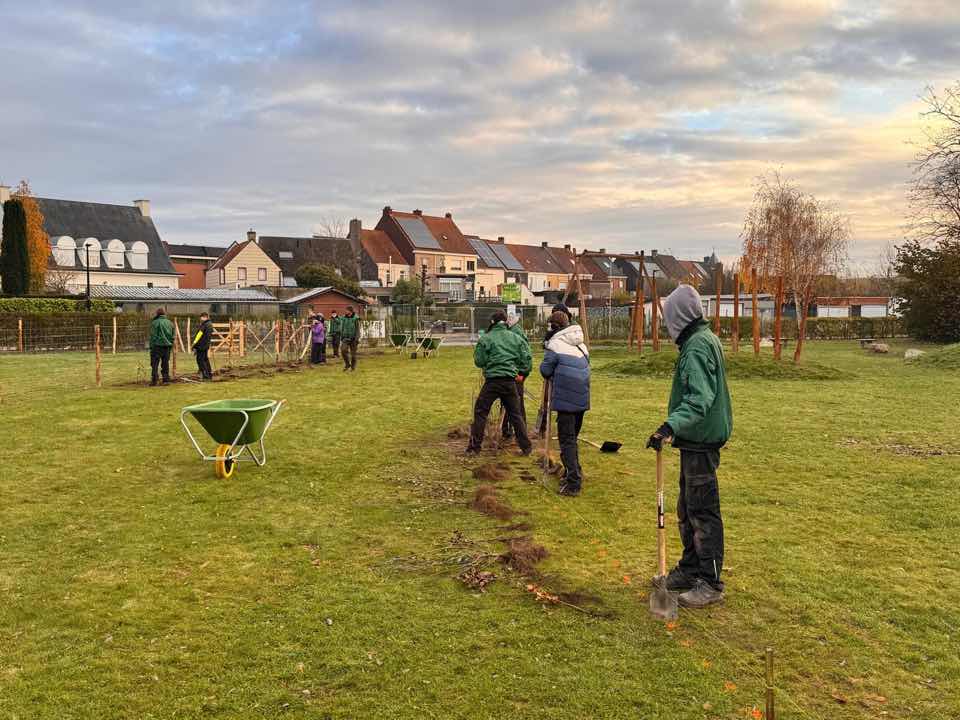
(566, 365)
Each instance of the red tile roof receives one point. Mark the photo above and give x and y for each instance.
(537, 259)
(380, 247)
(445, 230)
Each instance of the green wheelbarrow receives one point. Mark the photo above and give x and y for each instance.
(236, 426)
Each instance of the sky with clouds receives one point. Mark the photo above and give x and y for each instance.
(623, 125)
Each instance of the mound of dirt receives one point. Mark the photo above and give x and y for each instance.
(740, 366)
(945, 358)
(522, 556)
(492, 472)
(458, 433)
(485, 500)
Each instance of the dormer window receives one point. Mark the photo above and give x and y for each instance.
(137, 253)
(64, 251)
(90, 249)
(114, 254)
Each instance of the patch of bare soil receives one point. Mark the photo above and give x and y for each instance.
(898, 448)
(476, 579)
(224, 374)
(522, 556)
(485, 500)
(492, 472)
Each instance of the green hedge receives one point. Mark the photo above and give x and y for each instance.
(44, 306)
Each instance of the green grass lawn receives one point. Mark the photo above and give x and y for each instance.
(135, 585)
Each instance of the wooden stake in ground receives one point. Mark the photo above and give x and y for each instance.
(276, 340)
(548, 386)
(778, 318)
(19, 334)
(243, 338)
(771, 711)
(718, 280)
(735, 332)
(655, 316)
(189, 336)
(637, 304)
(642, 306)
(756, 313)
(114, 338)
(96, 351)
(177, 340)
(584, 318)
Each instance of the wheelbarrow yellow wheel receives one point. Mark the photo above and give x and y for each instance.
(224, 466)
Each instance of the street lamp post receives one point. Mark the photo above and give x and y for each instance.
(86, 248)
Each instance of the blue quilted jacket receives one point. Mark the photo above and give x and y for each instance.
(567, 363)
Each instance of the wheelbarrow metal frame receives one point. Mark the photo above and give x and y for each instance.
(233, 454)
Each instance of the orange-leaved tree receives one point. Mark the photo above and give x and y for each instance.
(791, 234)
(38, 242)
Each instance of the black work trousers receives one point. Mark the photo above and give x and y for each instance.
(503, 389)
(507, 430)
(568, 430)
(348, 347)
(698, 514)
(318, 352)
(203, 363)
(160, 358)
(335, 344)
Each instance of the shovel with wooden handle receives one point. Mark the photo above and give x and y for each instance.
(663, 603)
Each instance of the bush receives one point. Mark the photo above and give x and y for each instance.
(43, 306)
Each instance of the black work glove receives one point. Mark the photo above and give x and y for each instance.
(664, 432)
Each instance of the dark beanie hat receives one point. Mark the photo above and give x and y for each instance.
(560, 307)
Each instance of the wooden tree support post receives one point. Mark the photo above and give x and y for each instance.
(655, 316)
(19, 334)
(114, 336)
(771, 713)
(718, 281)
(637, 306)
(96, 352)
(276, 341)
(176, 343)
(243, 338)
(756, 313)
(735, 333)
(778, 318)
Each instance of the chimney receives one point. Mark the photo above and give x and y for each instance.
(387, 209)
(4, 193)
(354, 236)
(143, 206)
(653, 253)
(500, 239)
(566, 247)
(603, 251)
(418, 212)
(543, 243)
(252, 235)
(448, 216)
(706, 260)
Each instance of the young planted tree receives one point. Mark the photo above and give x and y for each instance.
(14, 268)
(38, 242)
(790, 234)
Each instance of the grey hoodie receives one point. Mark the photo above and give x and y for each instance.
(681, 308)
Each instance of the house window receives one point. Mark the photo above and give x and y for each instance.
(471, 265)
(223, 276)
(262, 274)
(402, 273)
(149, 284)
(242, 274)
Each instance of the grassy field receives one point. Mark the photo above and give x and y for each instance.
(135, 585)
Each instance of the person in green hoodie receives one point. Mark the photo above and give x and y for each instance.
(334, 331)
(349, 339)
(504, 356)
(699, 422)
(506, 429)
(161, 340)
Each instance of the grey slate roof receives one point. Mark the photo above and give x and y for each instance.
(81, 220)
(129, 292)
(320, 250)
(205, 251)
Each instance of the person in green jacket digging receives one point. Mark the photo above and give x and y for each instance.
(504, 356)
(161, 340)
(699, 421)
(349, 338)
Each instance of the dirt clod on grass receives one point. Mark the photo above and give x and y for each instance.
(551, 465)
(476, 579)
(522, 556)
(492, 472)
(458, 433)
(485, 500)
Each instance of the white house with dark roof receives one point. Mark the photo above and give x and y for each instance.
(120, 241)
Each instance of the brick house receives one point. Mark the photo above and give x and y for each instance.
(192, 262)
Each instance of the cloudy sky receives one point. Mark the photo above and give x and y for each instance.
(622, 125)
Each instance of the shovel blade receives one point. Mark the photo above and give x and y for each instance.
(663, 603)
(609, 446)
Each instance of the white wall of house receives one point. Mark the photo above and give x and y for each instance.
(488, 281)
(870, 311)
(833, 311)
(389, 273)
(77, 281)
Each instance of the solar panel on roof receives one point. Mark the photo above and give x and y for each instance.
(506, 257)
(485, 253)
(418, 233)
